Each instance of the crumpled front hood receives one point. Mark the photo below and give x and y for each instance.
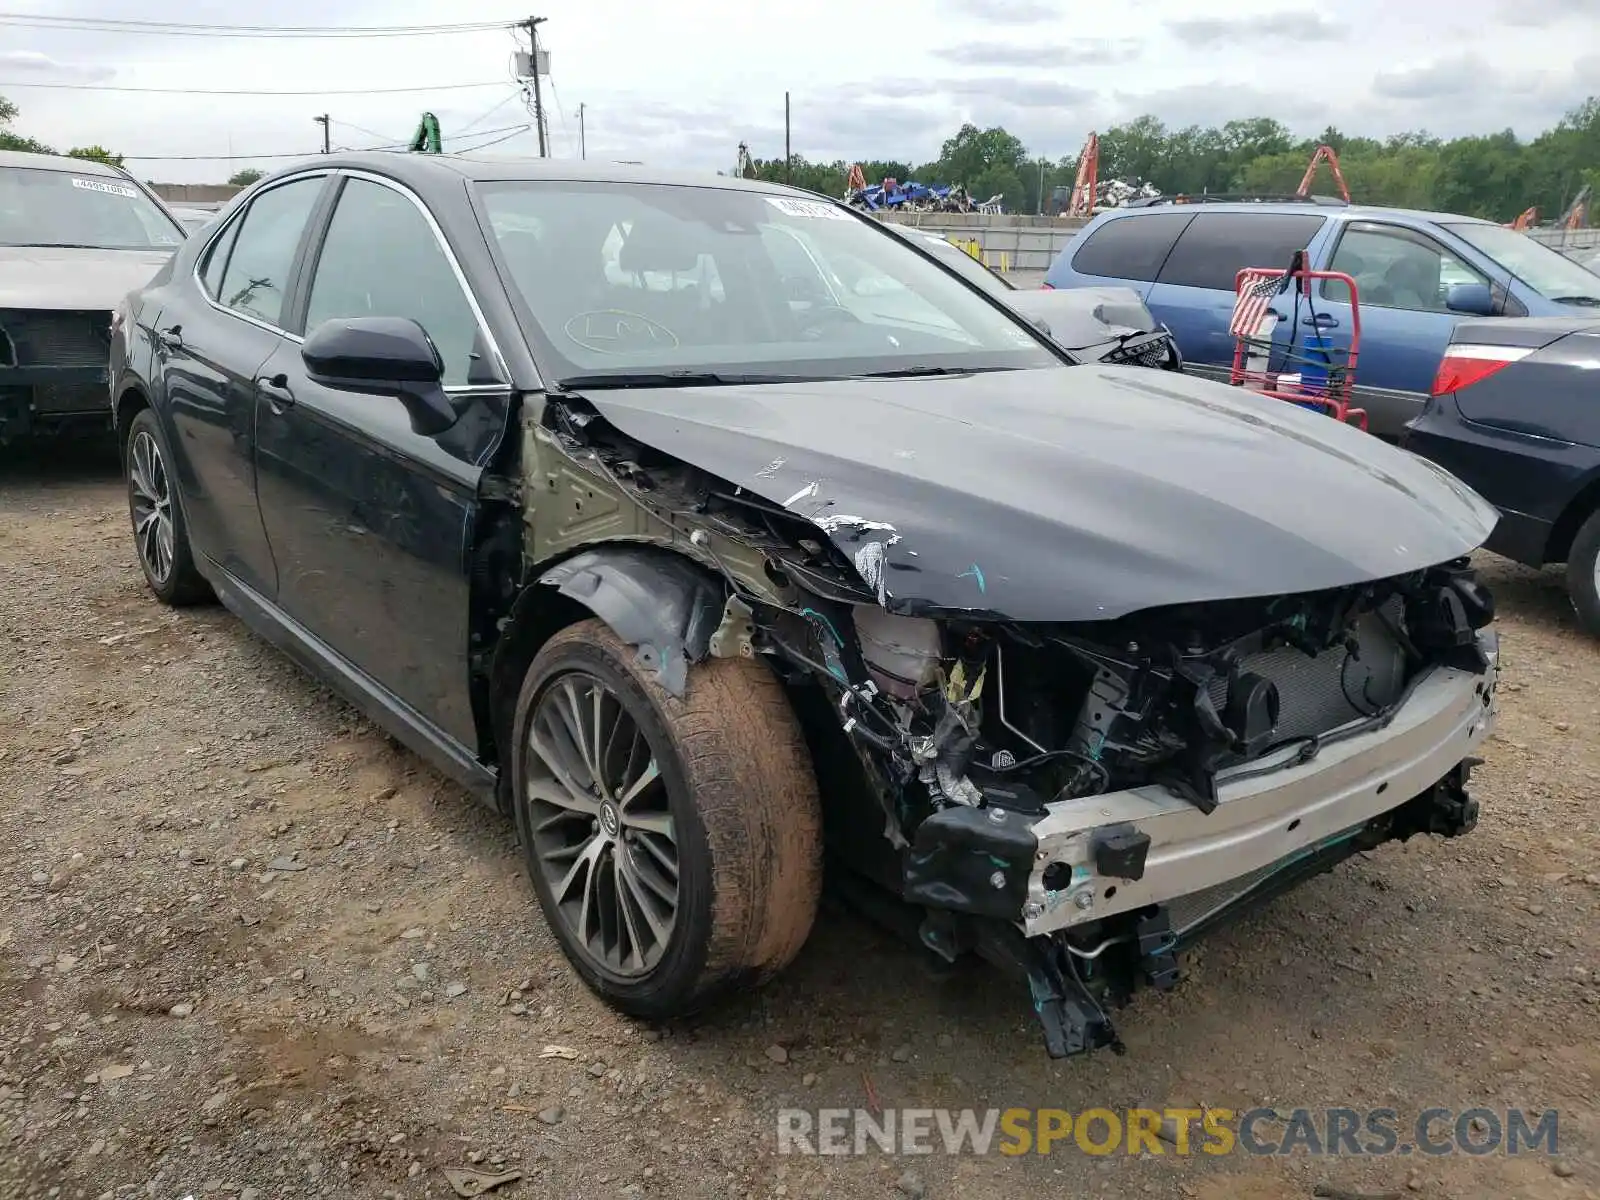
(70, 279)
(1071, 494)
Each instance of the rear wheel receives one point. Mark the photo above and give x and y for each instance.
(160, 534)
(674, 845)
(1583, 573)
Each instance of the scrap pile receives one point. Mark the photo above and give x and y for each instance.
(1119, 193)
(910, 196)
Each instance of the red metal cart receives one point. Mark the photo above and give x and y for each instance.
(1315, 365)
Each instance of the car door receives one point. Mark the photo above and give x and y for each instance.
(370, 521)
(213, 332)
(1402, 276)
(1194, 292)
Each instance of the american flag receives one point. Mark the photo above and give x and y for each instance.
(1251, 306)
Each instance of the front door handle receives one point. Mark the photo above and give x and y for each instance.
(1324, 320)
(276, 389)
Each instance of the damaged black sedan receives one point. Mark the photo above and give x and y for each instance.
(569, 478)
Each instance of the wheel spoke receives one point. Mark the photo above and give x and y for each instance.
(588, 855)
(650, 822)
(630, 925)
(649, 775)
(558, 792)
(660, 926)
(645, 872)
(572, 717)
(652, 844)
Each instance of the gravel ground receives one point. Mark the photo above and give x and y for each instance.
(251, 948)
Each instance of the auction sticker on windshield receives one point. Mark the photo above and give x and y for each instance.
(97, 185)
(807, 208)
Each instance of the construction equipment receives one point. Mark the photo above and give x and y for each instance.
(1084, 185)
(1323, 154)
(427, 140)
(1577, 214)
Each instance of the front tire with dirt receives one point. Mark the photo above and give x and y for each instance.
(674, 844)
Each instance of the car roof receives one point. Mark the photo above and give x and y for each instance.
(1339, 212)
(58, 162)
(422, 170)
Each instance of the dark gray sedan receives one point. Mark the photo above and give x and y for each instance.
(596, 488)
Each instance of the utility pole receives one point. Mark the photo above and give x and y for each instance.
(532, 26)
(323, 121)
(788, 158)
(583, 145)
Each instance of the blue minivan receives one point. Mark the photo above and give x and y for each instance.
(1416, 274)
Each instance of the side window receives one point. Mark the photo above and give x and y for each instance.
(217, 260)
(258, 269)
(1130, 247)
(1212, 251)
(1396, 268)
(381, 259)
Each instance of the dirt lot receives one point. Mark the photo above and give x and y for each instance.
(250, 947)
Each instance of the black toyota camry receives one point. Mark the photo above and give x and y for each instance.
(699, 568)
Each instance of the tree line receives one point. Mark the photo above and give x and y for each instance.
(15, 141)
(1494, 175)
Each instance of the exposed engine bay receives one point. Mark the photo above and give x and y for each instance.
(988, 752)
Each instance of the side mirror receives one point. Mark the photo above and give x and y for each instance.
(382, 356)
(1472, 298)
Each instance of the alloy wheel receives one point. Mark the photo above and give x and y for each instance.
(601, 824)
(151, 491)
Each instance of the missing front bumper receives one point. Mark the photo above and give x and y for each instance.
(1262, 818)
(1118, 885)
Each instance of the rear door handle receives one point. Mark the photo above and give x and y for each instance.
(276, 389)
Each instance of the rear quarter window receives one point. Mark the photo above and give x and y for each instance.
(1130, 247)
(1216, 246)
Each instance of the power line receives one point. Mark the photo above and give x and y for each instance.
(383, 137)
(561, 112)
(509, 130)
(202, 29)
(487, 113)
(494, 142)
(366, 91)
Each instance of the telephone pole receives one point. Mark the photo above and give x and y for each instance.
(532, 26)
(323, 121)
(583, 144)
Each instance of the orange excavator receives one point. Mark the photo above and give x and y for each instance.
(1324, 154)
(1083, 187)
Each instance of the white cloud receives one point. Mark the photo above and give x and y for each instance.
(33, 63)
(682, 86)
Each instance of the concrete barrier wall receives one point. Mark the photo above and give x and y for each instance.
(1005, 242)
(178, 193)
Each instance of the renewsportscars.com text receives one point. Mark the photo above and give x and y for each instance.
(1181, 1131)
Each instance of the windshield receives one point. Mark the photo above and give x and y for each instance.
(1554, 276)
(61, 208)
(635, 279)
(969, 268)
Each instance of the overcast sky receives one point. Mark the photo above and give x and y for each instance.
(682, 84)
